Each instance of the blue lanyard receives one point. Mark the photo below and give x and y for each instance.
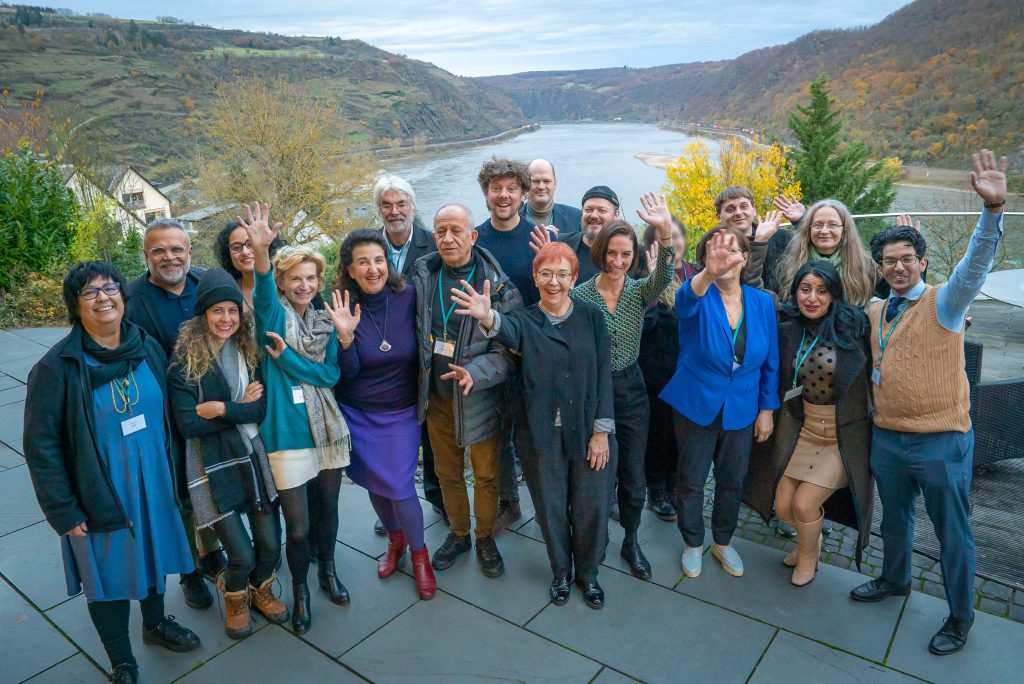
(801, 356)
(882, 344)
(447, 314)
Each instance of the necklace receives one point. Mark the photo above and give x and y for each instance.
(121, 387)
(385, 346)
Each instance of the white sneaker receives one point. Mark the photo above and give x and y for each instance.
(692, 560)
(730, 559)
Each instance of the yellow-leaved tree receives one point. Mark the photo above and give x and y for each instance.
(696, 177)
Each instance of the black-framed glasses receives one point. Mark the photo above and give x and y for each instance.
(109, 289)
(237, 247)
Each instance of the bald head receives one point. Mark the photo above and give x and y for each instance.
(541, 196)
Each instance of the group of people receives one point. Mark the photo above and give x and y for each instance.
(557, 340)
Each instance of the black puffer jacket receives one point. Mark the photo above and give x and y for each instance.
(483, 413)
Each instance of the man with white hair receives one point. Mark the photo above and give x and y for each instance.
(540, 207)
(396, 203)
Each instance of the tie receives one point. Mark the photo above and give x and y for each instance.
(893, 308)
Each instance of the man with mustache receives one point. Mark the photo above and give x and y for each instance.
(600, 206)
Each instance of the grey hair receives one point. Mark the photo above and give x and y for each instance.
(389, 181)
(165, 223)
(463, 207)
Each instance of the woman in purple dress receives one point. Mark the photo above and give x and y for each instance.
(375, 316)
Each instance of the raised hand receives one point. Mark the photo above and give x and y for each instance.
(253, 391)
(346, 320)
(540, 236)
(903, 221)
(722, 254)
(790, 207)
(261, 233)
(768, 226)
(652, 256)
(655, 212)
(278, 345)
(462, 376)
(474, 304)
(989, 178)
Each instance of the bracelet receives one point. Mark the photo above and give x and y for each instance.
(995, 205)
(348, 341)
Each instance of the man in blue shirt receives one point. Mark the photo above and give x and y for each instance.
(540, 207)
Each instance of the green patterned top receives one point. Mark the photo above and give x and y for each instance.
(627, 323)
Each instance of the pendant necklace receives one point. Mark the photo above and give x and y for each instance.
(385, 346)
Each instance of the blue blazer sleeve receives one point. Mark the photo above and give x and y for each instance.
(768, 395)
(687, 303)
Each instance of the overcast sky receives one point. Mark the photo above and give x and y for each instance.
(487, 37)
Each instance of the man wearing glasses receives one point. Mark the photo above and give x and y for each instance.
(396, 204)
(922, 439)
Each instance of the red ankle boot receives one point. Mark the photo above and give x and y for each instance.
(389, 562)
(423, 573)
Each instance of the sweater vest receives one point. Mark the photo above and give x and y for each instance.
(923, 385)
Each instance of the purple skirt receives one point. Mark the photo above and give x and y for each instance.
(385, 450)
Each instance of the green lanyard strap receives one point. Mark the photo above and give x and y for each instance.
(883, 343)
(801, 356)
(447, 314)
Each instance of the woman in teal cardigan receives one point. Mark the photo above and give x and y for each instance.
(305, 434)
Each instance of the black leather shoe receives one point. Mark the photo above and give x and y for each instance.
(490, 558)
(197, 594)
(559, 591)
(508, 513)
(378, 529)
(454, 545)
(593, 594)
(301, 614)
(638, 564)
(330, 583)
(613, 510)
(952, 637)
(878, 590)
(213, 563)
(170, 635)
(662, 507)
(125, 673)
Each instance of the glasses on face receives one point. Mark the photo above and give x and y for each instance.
(237, 247)
(829, 226)
(109, 289)
(175, 252)
(386, 207)
(560, 276)
(907, 261)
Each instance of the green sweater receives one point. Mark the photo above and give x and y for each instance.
(287, 424)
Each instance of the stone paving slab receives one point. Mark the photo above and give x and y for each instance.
(821, 610)
(7, 382)
(12, 424)
(12, 395)
(75, 670)
(18, 505)
(9, 458)
(650, 632)
(447, 640)
(31, 560)
(792, 658)
(14, 347)
(610, 676)
(44, 336)
(19, 368)
(30, 643)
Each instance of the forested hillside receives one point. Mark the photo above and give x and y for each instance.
(931, 82)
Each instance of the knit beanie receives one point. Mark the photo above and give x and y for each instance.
(216, 285)
(602, 192)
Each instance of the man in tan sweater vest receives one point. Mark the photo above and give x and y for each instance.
(923, 441)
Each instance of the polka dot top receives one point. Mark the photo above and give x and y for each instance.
(818, 376)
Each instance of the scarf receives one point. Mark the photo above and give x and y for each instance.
(832, 258)
(114, 363)
(309, 337)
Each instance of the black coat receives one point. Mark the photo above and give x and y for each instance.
(852, 505)
(566, 368)
(422, 244)
(143, 312)
(71, 479)
(232, 482)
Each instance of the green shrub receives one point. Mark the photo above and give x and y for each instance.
(38, 300)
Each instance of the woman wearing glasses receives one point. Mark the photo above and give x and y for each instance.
(97, 446)
(235, 254)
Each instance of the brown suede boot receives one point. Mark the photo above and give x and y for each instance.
(808, 549)
(237, 621)
(266, 603)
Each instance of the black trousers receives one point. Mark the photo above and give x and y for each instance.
(662, 451)
(311, 521)
(699, 447)
(571, 503)
(110, 618)
(250, 561)
(632, 416)
(431, 485)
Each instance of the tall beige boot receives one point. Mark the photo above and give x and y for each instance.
(790, 560)
(808, 548)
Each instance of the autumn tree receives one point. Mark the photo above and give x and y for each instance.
(271, 141)
(696, 177)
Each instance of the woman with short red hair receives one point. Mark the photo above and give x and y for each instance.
(566, 415)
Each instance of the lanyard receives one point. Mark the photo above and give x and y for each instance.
(801, 355)
(736, 332)
(883, 343)
(447, 314)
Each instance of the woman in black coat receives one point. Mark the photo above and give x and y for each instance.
(817, 462)
(218, 402)
(567, 414)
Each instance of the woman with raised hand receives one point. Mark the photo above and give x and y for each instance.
(724, 391)
(374, 314)
(234, 253)
(218, 401)
(305, 433)
(97, 446)
(819, 454)
(566, 415)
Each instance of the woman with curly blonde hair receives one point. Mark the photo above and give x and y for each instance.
(827, 231)
(217, 400)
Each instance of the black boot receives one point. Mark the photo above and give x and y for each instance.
(125, 673)
(631, 553)
(301, 615)
(330, 583)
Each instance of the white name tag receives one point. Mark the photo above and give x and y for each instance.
(876, 376)
(443, 348)
(297, 397)
(794, 393)
(133, 425)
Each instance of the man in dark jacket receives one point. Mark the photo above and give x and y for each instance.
(540, 207)
(462, 382)
(734, 206)
(600, 207)
(160, 300)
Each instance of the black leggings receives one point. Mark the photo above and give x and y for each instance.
(323, 491)
(248, 565)
(111, 621)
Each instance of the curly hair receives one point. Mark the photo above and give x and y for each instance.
(222, 248)
(503, 168)
(193, 352)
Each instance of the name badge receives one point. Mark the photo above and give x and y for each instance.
(794, 393)
(297, 397)
(876, 376)
(133, 425)
(444, 348)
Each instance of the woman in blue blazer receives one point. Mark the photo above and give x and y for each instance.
(724, 391)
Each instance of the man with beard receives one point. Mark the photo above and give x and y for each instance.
(540, 207)
(600, 206)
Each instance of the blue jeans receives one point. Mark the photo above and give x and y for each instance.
(939, 466)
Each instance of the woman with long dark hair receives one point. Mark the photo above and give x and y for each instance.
(374, 313)
(235, 254)
(817, 463)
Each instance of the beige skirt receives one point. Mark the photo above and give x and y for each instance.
(816, 458)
